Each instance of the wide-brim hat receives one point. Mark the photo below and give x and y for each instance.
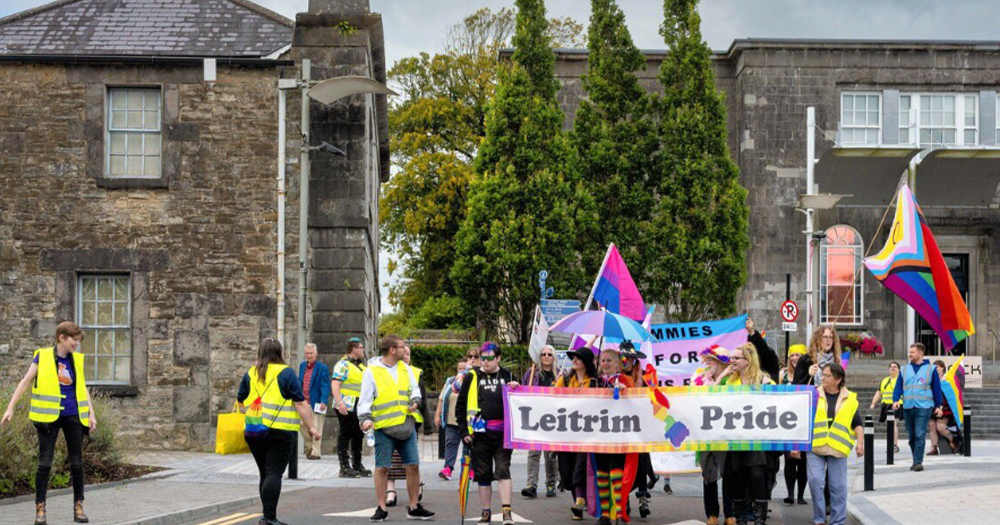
(586, 355)
(627, 349)
(716, 352)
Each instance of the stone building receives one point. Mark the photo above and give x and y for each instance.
(878, 105)
(138, 195)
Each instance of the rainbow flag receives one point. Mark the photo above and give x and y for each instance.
(910, 265)
(615, 290)
(949, 387)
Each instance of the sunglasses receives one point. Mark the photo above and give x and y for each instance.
(489, 358)
(548, 355)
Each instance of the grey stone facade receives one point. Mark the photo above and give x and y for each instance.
(768, 84)
(198, 244)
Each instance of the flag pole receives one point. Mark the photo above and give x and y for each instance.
(607, 255)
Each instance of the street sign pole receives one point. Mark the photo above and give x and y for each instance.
(788, 297)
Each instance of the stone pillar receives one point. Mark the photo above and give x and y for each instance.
(341, 37)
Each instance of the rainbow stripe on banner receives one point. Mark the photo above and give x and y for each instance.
(910, 265)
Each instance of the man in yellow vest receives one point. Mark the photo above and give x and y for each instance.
(389, 392)
(836, 430)
(59, 401)
(346, 386)
(885, 390)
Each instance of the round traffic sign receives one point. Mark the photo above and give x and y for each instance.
(789, 311)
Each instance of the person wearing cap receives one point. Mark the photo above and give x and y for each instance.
(315, 379)
(573, 465)
(715, 367)
(795, 468)
(480, 408)
(346, 384)
(644, 475)
(542, 374)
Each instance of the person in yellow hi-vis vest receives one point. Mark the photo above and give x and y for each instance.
(836, 430)
(59, 401)
(346, 386)
(885, 389)
(276, 388)
(389, 392)
(397, 471)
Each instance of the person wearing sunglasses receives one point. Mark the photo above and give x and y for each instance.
(480, 408)
(542, 374)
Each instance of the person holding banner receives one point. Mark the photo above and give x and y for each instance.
(745, 475)
(612, 470)
(542, 374)
(715, 361)
(795, 467)
(480, 406)
(768, 357)
(573, 465)
(824, 348)
(644, 475)
(836, 417)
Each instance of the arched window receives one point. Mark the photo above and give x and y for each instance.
(841, 283)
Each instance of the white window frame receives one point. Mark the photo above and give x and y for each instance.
(859, 282)
(143, 132)
(94, 328)
(854, 126)
(916, 124)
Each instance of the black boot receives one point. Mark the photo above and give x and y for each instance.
(741, 508)
(760, 512)
(345, 466)
(356, 460)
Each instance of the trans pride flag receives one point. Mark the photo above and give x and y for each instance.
(910, 265)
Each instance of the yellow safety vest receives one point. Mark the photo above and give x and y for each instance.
(837, 438)
(887, 387)
(417, 416)
(351, 387)
(392, 396)
(276, 411)
(46, 396)
(472, 402)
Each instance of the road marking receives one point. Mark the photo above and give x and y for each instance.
(239, 519)
(224, 518)
(688, 522)
(366, 513)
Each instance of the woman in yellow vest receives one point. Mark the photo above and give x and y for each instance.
(836, 429)
(59, 401)
(275, 386)
(885, 388)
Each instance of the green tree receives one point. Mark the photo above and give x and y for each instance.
(436, 129)
(700, 220)
(615, 136)
(527, 209)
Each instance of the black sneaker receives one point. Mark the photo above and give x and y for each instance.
(577, 513)
(530, 491)
(418, 513)
(550, 491)
(348, 472)
(380, 514)
(486, 517)
(667, 489)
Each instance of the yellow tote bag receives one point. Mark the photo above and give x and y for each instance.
(229, 434)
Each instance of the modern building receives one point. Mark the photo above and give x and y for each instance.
(139, 195)
(882, 108)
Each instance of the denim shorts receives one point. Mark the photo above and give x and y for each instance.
(385, 445)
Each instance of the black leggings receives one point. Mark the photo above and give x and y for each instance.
(747, 483)
(644, 476)
(711, 499)
(48, 433)
(272, 454)
(795, 470)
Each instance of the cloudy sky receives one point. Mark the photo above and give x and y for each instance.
(412, 26)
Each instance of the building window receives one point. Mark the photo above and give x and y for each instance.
(841, 284)
(860, 118)
(133, 149)
(104, 311)
(938, 119)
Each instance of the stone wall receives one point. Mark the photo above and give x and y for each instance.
(768, 86)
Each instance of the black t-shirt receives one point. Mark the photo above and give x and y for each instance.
(490, 396)
(831, 410)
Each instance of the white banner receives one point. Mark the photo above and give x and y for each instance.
(675, 462)
(539, 335)
(973, 365)
(698, 418)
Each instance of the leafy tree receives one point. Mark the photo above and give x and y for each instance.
(436, 130)
(700, 220)
(527, 209)
(615, 137)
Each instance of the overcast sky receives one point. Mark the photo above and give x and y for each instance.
(412, 26)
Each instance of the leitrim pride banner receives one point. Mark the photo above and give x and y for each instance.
(767, 417)
(674, 354)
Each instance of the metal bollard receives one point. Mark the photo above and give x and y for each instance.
(869, 453)
(967, 432)
(441, 442)
(890, 433)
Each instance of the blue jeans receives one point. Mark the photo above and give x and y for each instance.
(452, 438)
(385, 445)
(822, 469)
(916, 428)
